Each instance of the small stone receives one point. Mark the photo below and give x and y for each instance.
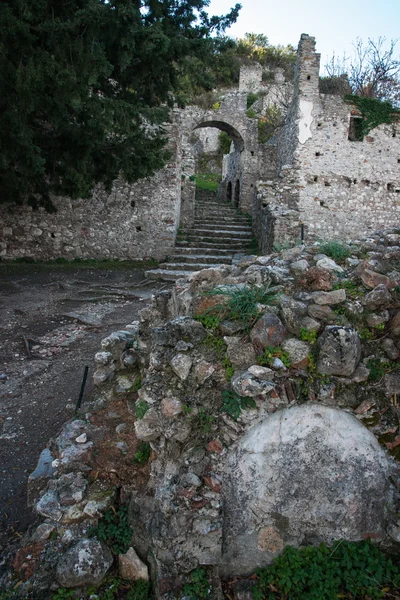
(262, 373)
(190, 479)
(246, 384)
(123, 384)
(323, 313)
(81, 439)
(123, 447)
(329, 265)
(339, 351)
(148, 429)
(392, 382)
(183, 346)
(171, 407)
(375, 320)
(310, 324)
(103, 358)
(84, 564)
(42, 532)
(299, 266)
(330, 298)
(395, 325)
(49, 506)
(268, 331)
(181, 365)
(371, 279)
(131, 567)
(215, 446)
(231, 327)
(380, 297)
(390, 349)
(298, 352)
(278, 365)
(240, 353)
(204, 371)
(121, 428)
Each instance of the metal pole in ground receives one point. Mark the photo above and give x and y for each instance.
(85, 374)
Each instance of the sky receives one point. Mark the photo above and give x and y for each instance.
(334, 24)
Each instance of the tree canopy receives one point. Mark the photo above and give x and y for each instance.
(86, 85)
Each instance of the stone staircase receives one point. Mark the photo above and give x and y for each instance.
(219, 234)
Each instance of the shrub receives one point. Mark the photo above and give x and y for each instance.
(232, 404)
(199, 586)
(251, 98)
(142, 454)
(335, 250)
(113, 529)
(348, 570)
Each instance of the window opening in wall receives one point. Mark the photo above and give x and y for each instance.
(237, 194)
(354, 181)
(133, 203)
(398, 160)
(356, 129)
(327, 184)
(252, 152)
(315, 178)
(318, 154)
(390, 187)
(308, 77)
(138, 228)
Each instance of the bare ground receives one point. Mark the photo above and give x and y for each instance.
(51, 324)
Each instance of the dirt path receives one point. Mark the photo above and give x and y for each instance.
(51, 324)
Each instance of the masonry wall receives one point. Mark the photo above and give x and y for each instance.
(333, 187)
(133, 222)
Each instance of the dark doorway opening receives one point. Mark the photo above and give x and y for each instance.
(237, 195)
(229, 192)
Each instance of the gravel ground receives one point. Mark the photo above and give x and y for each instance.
(51, 324)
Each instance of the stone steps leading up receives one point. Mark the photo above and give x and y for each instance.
(217, 236)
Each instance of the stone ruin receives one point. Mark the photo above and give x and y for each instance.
(313, 180)
(310, 454)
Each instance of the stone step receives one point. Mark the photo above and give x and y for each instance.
(202, 251)
(223, 241)
(186, 266)
(216, 246)
(201, 258)
(226, 226)
(166, 275)
(219, 233)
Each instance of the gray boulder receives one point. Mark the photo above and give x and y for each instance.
(86, 563)
(339, 351)
(305, 475)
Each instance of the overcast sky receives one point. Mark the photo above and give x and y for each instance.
(334, 24)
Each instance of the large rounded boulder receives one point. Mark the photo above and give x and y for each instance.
(306, 475)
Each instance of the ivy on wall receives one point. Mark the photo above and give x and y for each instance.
(374, 112)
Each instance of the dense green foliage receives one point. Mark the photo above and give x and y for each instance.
(199, 586)
(142, 454)
(335, 250)
(113, 529)
(375, 112)
(348, 570)
(86, 85)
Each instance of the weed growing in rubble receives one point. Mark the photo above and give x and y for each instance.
(199, 586)
(232, 404)
(271, 352)
(308, 335)
(335, 250)
(113, 529)
(142, 454)
(242, 303)
(141, 408)
(208, 321)
(348, 570)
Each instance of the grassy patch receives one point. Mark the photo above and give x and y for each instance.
(208, 181)
(335, 250)
(242, 303)
(141, 408)
(199, 587)
(348, 570)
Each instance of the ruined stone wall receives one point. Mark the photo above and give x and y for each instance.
(334, 187)
(132, 222)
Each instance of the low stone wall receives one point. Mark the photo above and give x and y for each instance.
(136, 221)
(263, 433)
